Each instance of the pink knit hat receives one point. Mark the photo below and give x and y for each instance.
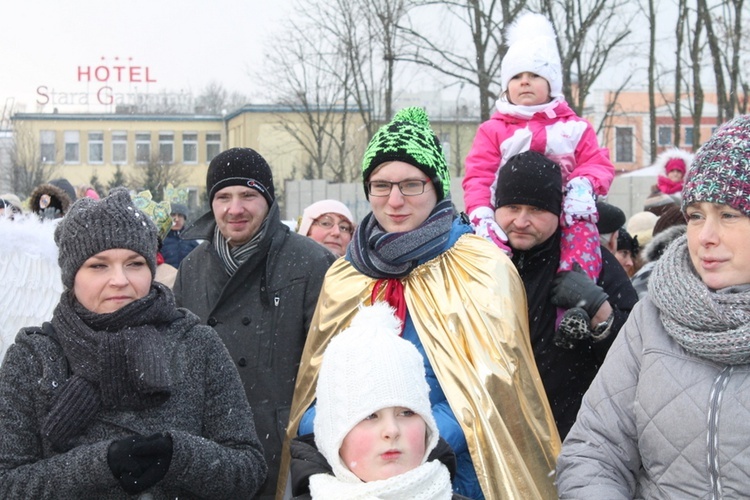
(323, 207)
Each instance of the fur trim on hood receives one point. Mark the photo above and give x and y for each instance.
(60, 198)
(661, 241)
(673, 154)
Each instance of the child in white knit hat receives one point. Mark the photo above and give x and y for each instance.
(532, 114)
(374, 430)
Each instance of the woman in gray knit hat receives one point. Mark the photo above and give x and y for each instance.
(122, 393)
(668, 415)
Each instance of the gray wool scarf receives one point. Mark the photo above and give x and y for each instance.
(714, 325)
(117, 361)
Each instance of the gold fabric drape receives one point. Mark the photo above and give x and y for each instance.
(469, 309)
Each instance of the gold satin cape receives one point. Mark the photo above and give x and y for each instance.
(469, 309)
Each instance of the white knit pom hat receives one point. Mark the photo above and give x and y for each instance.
(366, 368)
(532, 47)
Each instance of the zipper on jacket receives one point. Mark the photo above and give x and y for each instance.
(717, 392)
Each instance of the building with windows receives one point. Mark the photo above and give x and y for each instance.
(83, 145)
(625, 130)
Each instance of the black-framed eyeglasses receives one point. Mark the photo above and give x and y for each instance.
(409, 187)
(328, 223)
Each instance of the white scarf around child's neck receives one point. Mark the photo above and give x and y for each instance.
(429, 481)
(525, 112)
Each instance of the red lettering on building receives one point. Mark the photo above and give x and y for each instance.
(116, 73)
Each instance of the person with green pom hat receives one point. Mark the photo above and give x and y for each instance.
(461, 303)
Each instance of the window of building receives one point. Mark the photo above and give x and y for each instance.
(623, 144)
(665, 136)
(72, 146)
(213, 146)
(119, 147)
(166, 147)
(142, 147)
(96, 147)
(189, 147)
(688, 136)
(47, 146)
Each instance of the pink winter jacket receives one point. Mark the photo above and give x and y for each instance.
(556, 132)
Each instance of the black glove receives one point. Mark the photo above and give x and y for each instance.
(139, 462)
(575, 289)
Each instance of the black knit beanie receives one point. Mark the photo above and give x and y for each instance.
(627, 242)
(530, 178)
(240, 167)
(611, 218)
(93, 226)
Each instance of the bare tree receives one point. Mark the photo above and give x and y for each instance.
(587, 34)
(214, 99)
(652, 78)
(316, 76)
(27, 169)
(156, 175)
(696, 56)
(478, 67)
(682, 19)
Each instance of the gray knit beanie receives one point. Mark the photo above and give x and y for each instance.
(93, 226)
(720, 172)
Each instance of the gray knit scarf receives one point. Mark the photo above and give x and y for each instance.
(233, 257)
(714, 325)
(379, 254)
(118, 361)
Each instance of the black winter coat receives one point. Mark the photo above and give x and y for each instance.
(567, 374)
(262, 313)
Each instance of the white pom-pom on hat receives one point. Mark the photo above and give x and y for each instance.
(532, 48)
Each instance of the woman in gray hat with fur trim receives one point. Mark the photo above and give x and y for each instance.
(668, 414)
(122, 393)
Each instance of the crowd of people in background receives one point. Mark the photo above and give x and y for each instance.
(542, 344)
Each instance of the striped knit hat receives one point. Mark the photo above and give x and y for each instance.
(409, 138)
(720, 172)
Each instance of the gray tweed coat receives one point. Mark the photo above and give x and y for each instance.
(216, 451)
(262, 313)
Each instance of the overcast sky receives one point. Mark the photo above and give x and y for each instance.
(184, 43)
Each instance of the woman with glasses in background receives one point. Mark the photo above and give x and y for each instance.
(330, 223)
(460, 302)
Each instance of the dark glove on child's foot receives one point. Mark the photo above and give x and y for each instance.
(574, 289)
(139, 462)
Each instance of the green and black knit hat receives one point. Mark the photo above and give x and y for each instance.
(720, 172)
(409, 138)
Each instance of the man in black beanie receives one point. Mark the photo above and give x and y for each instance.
(257, 283)
(529, 202)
